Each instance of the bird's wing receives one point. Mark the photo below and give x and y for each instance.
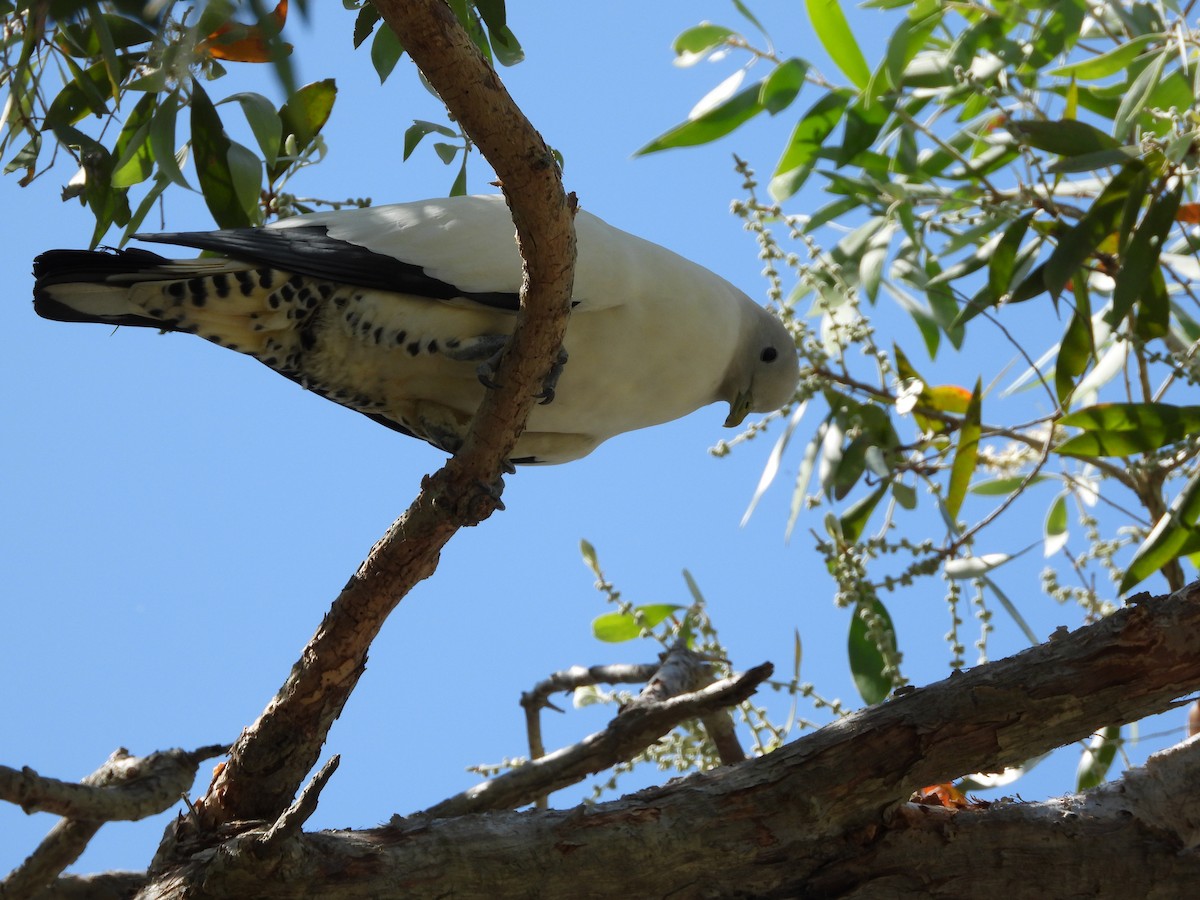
(311, 250)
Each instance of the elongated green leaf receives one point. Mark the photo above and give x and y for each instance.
(782, 86)
(1004, 258)
(1122, 429)
(1097, 758)
(162, 140)
(264, 122)
(854, 520)
(133, 151)
(1135, 99)
(1054, 531)
(908, 38)
(805, 144)
(711, 124)
(364, 23)
(829, 22)
(1174, 535)
(967, 453)
(1116, 60)
(89, 92)
(1002, 487)
(210, 146)
(1066, 137)
(1098, 223)
(616, 627)
(1140, 258)
(867, 662)
(1076, 348)
(386, 51)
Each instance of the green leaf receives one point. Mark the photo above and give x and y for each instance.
(1140, 260)
(364, 23)
(264, 122)
(417, 131)
(864, 121)
(386, 51)
(711, 124)
(699, 41)
(967, 453)
(905, 42)
(1136, 97)
(88, 92)
(162, 140)
(1002, 487)
(246, 170)
(1097, 758)
(854, 520)
(829, 22)
(1101, 220)
(1065, 137)
(616, 627)
(805, 144)
(505, 46)
(494, 13)
(210, 146)
(867, 663)
(1116, 60)
(1054, 532)
(459, 187)
(303, 116)
(1122, 429)
(1173, 536)
(783, 85)
(1004, 257)
(1077, 347)
(133, 150)
(161, 183)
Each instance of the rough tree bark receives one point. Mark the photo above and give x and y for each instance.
(828, 815)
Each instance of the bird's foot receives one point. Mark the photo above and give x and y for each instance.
(551, 380)
(488, 349)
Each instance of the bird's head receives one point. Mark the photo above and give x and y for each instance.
(765, 371)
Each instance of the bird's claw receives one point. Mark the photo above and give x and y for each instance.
(551, 380)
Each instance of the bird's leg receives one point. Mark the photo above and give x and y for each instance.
(488, 348)
(485, 347)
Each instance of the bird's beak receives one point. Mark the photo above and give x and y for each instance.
(739, 408)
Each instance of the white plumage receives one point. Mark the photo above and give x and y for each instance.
(390, 311)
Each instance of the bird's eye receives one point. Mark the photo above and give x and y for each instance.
(769, 354)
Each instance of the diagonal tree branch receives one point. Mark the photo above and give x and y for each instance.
(271, 758)
(637, 726)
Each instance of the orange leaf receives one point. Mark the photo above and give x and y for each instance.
(946, 795)
(237, 42)
(1188, 212)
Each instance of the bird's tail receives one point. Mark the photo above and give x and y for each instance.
(235, 304)
(91, 286)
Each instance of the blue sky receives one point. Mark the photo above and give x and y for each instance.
(176, 518)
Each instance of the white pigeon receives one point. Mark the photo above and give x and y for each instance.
(390, 311)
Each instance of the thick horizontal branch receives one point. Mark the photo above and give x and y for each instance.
(776, 823)
(635, 728)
